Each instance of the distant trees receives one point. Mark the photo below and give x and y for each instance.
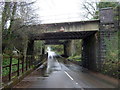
(59, 49)
(78, 47)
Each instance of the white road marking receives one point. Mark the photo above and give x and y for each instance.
(58, 63)
(68, 75)
(72, 79)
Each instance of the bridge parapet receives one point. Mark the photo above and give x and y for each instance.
(91, 25)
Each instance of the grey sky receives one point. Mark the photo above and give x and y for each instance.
(60, 10)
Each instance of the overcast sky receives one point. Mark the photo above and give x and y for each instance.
(51, 11)
(60, 10)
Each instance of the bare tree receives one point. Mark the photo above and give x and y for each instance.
(1, 8)
(25, 16)
(27, 13)
(15, 16)
(90, 10)
(7, 15)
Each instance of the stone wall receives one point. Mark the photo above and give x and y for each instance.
(108, 42)
(90, 52)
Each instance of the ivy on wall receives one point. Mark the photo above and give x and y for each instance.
(111, 62)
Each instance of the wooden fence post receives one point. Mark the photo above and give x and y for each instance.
(26, 63)
(29, 62)
(22, 64)
(18, 71)
(10, 69)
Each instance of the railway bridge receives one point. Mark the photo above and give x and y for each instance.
(93, 34)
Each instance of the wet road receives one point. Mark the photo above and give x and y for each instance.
(59, 75)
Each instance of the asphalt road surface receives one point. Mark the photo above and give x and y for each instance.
(59, 75)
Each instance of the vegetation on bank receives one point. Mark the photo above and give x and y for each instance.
(6, 61)
(111, 63)
(78, 51)
(75, 58)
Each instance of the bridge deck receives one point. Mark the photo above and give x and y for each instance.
(89, 25)
(63, 35)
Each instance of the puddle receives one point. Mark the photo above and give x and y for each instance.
(41, 78)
